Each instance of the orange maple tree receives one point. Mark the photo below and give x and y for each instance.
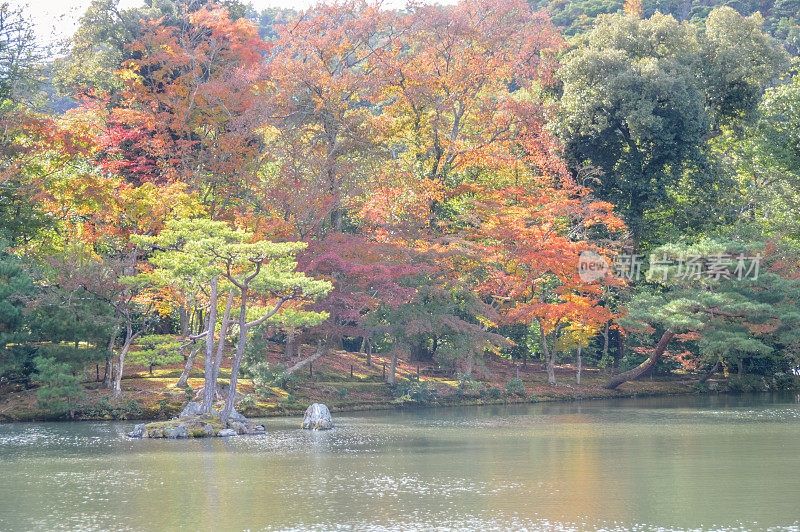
(189, 111)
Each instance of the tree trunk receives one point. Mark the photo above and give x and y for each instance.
(287, 353)
(549, 357)
(605, 341)
(642, 368)
(129, 337)
(108, 373)
(390, 378)
(183, 381)
(208, 390)
(244, 329)
(223, 332)
(710, 372)
(469, 363)
(183, 316)
(620, 345)
(305, 362)
(108, 377)
(369, 352)
(580, 367)
(237, 361)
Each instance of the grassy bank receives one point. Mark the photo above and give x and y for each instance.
(344, 382)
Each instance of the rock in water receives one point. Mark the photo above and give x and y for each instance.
(192, 409)
(178, 431)
(226, 432)
(236, 416)
(317, 417)
(139, 431)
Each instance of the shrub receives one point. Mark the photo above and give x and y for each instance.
(515, 387)
(785, 381)
(133, 407)
(746, 384)
(495, 392)
(467, 382)
(60, 389)
(290, 401)
(417, 392)
(247, 400)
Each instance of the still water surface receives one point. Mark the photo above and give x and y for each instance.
(703, 463)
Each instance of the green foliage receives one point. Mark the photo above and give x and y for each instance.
(98, 48)
(157, 350)
(270, 19)
(765, 161)
(415, 392)
(247, 401)
(16, 286)
(640, 98)
(467, 382)
(60, 390)
(737, 319)
(21, 218)
(747, 384)
(104, 409)
(516, 387)
(290, 401)
(265, 374)
(785, 381)
(19, 55)
(445, 321)
(578, 16)
(192, 252)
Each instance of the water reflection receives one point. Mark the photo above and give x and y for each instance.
(716, 462)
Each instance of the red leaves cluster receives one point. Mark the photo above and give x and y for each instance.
(188, 109)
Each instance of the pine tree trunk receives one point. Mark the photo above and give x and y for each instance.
(108, 373)
(226, 320)
(303, 363)
(710, 372)
(287, 353)
(642, 368)
(237, 361)
(580, 367)
(208, 390)
(369, 352)
(183, 316)
(183, 381)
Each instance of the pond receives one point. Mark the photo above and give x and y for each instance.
(706, 463)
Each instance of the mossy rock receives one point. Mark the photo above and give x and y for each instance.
(186, 427)
(193, 427)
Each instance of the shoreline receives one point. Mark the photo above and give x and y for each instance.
(346, 383)
(664, 389)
